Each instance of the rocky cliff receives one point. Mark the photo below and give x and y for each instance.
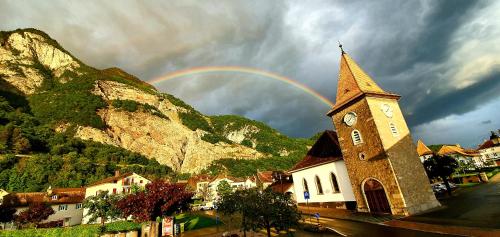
(113, 107)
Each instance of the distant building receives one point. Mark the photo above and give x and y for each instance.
(120, 183)
(264, 179)
(423, 151)
(467, 157)
(205, 186)
(66, 203)
(490, 150)
(323, 175)
(283, 183)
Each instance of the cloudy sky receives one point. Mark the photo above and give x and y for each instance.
(441, 56)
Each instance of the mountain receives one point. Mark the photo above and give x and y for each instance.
(115, 108)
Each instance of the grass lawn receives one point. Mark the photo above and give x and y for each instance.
(194, 221)
(492, 173)
(77, 231)
(467, 185)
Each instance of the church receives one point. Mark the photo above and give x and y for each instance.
(376, 154)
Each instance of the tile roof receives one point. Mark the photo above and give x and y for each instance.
(63, 196)
(265, 176)
(487, 144)
(278, 187)
(353, 82)
(448, 150)
(325, 150)
(422, 149)
(111, 179)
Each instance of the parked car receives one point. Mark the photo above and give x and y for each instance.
(207, 206)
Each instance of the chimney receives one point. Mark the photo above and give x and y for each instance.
(117, 173)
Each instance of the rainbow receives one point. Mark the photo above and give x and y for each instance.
(237, 69)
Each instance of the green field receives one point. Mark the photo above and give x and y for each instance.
(193, 222)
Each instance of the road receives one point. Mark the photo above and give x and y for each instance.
(477, 206)
(354, 228)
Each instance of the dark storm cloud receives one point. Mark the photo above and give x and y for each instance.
(486, 122)
(459, 101)
(441, 56)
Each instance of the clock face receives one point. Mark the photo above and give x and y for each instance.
(350, 118)
(387, 110)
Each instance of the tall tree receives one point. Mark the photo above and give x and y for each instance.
(224, 188)
(102, 206)
(159, 199)
(36, 213)
(441, 167)
(265, 209)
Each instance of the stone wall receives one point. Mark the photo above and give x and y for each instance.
(393, 161)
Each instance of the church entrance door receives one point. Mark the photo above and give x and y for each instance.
(376, 197)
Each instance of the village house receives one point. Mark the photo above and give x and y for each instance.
(323, 175)
(66, 203)
(466, 157)
(264, 179)
(117, 184)
(490, 150)
(205, 186)
(423, 151)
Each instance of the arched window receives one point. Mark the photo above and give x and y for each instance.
(335, 184)
(394, 130)
(356, 137)
(304, 184)
(318, 185)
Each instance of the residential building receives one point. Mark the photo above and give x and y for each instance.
(323, 175)
(423, 151)
(381, 159)
(205, 186)
(118, 184)
(466, 157)
(264, 179)
(490, 150)
(66, 203)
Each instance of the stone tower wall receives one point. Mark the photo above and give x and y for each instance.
(401, 151)
(376, 165)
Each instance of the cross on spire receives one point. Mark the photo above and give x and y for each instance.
(341, 49)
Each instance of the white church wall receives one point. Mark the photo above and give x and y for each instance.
(323, 172)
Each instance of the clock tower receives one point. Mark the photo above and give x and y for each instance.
(384, 168)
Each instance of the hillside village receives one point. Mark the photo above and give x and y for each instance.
(353, 168)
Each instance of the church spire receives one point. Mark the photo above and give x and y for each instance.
(353, 82)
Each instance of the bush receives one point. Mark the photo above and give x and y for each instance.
(128, 105)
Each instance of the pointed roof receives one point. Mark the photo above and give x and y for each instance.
(325, 150)
(422, 149)
(353, 83)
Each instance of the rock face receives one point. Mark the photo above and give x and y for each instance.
(28, 58)
(166, 140)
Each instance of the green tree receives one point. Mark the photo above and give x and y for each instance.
(102, 206)
(441, 167)
(261, 209)
(224, 188)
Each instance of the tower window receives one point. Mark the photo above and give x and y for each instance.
(318, 185)
(356, 137)
(394, 130)
(335, 184)
(304, 184)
